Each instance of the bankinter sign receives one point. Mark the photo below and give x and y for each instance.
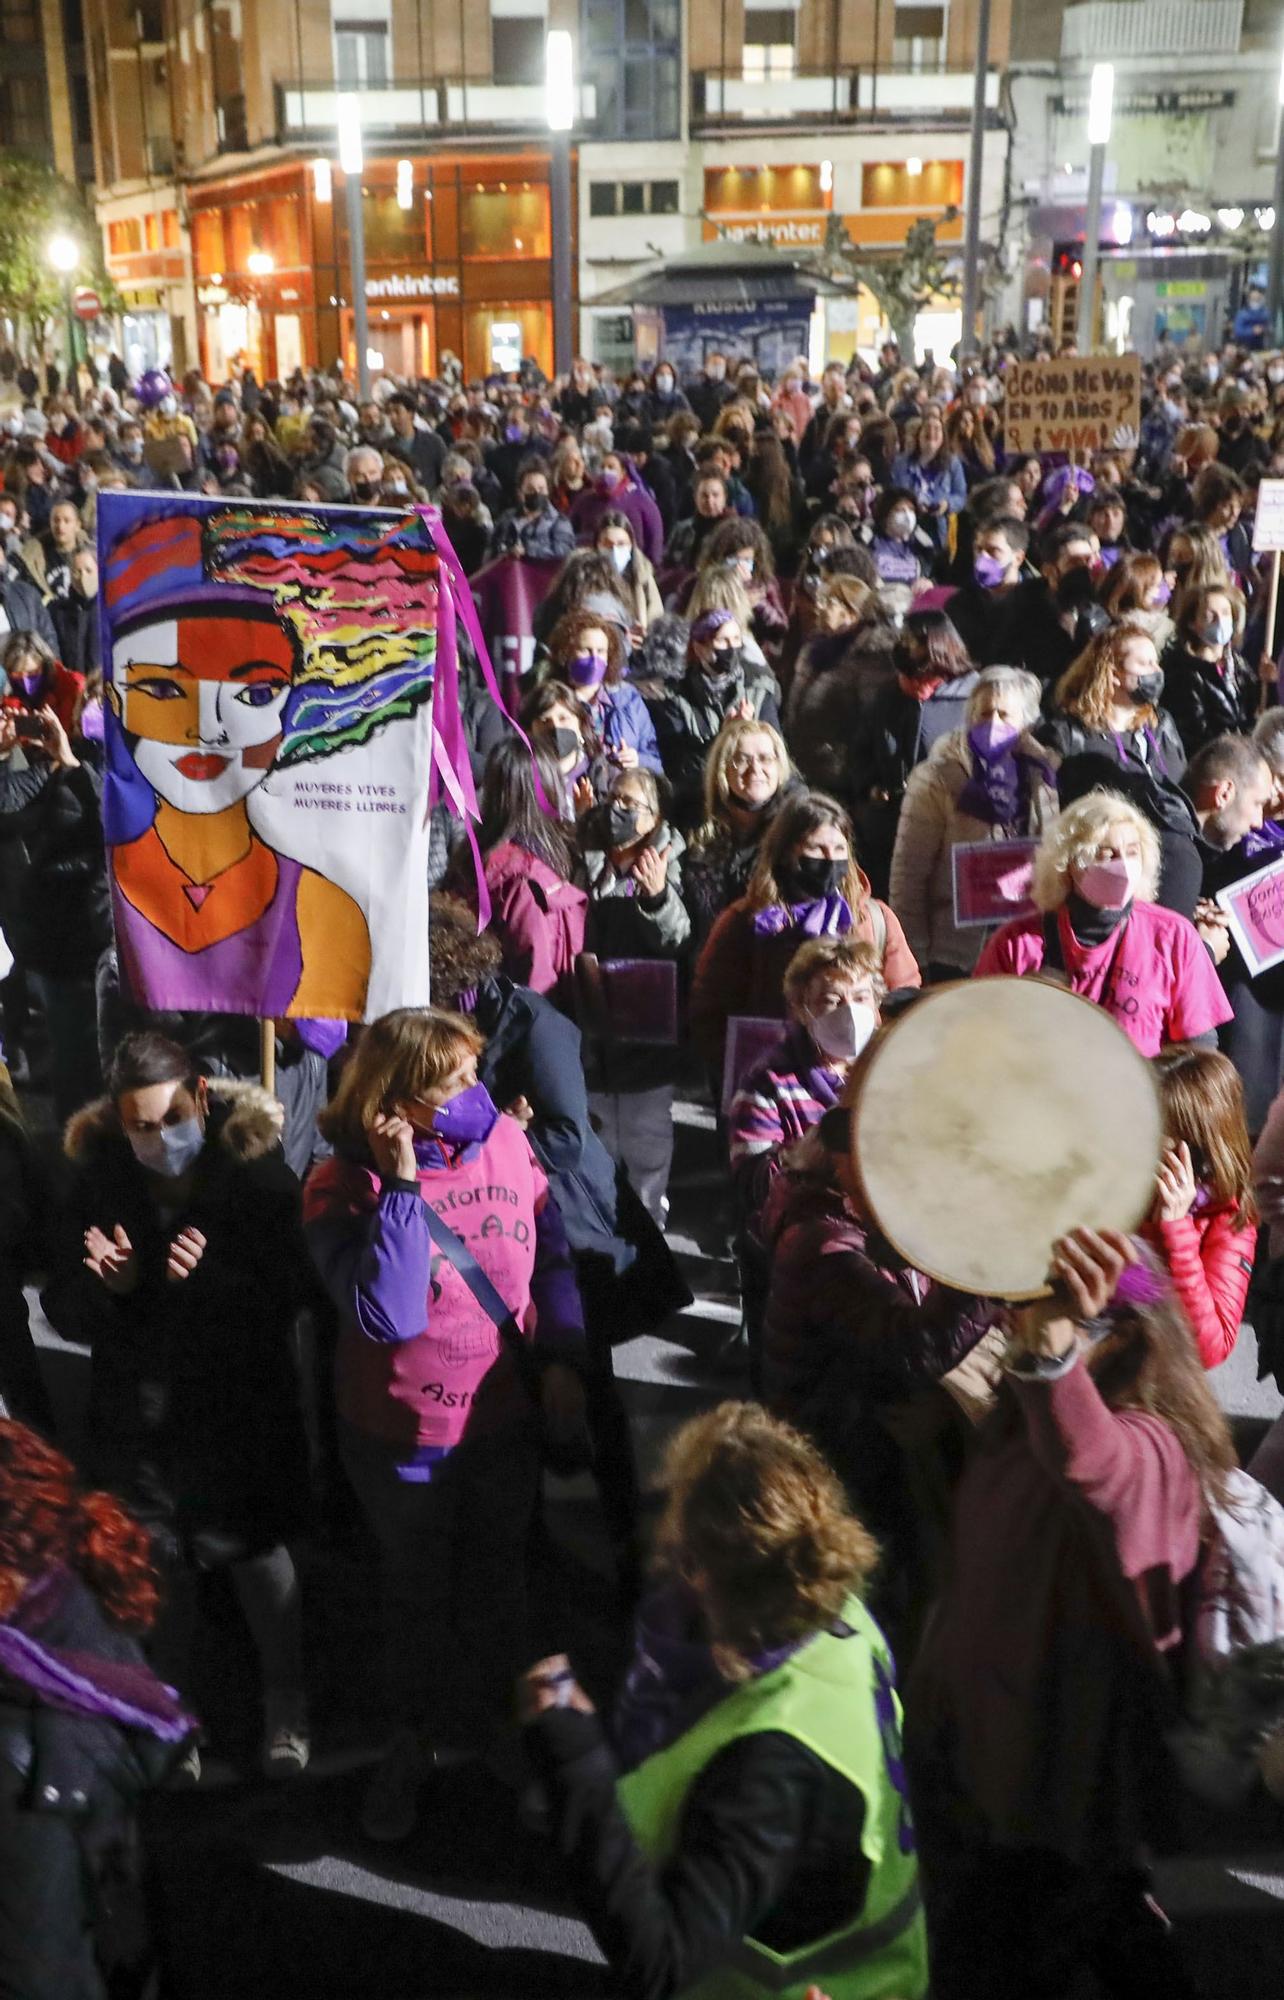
(1072, 405)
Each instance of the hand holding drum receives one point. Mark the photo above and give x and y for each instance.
(996, 1117)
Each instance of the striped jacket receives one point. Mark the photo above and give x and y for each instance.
(777, 1103)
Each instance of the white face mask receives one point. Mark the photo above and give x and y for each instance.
(620, 555)
(843, 1033)
(171, 1149)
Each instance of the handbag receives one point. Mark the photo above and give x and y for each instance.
(562, 1456)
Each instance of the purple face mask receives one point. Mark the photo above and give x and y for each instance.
(466, 1120)
(586, 671)
(1162, 594)
(989, 571)
(91, 722)
(27, 685)
(992, 737)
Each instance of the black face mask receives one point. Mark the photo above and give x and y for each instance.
(1147, 689)
(1075, 589)
(621, 823)
(566, 743)
(723, 668)
(812, 875)
(532, 502)
(364, 489)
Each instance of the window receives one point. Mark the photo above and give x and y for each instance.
(919, 38)
(17, 21)
(633, 198)
(632, 57)
(517, 48)
(22, 112)
(360, 54)
(125, 238)
(169, 229)
(769, 43)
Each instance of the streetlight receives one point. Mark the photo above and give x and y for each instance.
(976, 150)
(63, 253)
(260, 263)
(1275, 277)
(559, 106)
(352, 160)
(1101, 98)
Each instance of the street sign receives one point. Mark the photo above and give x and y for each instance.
(86, 304)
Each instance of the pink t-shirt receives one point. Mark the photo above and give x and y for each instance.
(1155, 976)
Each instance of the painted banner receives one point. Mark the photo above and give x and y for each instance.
(269, 673)
(1083, 403)
(508, 592)
(1254, 909)
(992, 881)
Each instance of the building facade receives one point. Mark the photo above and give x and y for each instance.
(1189, 169)
(44, 85)
(224, 211)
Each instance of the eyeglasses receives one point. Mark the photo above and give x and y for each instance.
(742, 762)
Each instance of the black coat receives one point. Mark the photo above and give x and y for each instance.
(1207, 698)
(1029, 632)
(76, 623)
(63, 920)
(72, 1921)
(194, 1407)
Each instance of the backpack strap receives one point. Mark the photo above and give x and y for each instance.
(488, 1298)
(878, 918)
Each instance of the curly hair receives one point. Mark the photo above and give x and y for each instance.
(461, 956)
(1086, 689)
(46, 1519)
(737, 536)
(757, 1522)
(1076, 834)
(566, 640)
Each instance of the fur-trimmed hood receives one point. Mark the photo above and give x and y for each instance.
(245, 1119)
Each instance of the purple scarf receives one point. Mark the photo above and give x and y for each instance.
(81, 1683)
(673, 1678)
(828, 916)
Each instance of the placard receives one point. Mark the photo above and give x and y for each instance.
(1268, 522)
(1254, 909)
(992, 881)
(750, 1037)
(1084, 403)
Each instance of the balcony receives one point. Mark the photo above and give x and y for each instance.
(403, 109)
(728, 99)
(1099, 30)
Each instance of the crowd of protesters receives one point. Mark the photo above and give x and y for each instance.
(800, 642)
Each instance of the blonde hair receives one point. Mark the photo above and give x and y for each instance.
(399, 1058)
(847, 596)
(850, 955)
(1086, 688)
(719, 588)
(721, 751)
(755, 1519)
(1074, 837)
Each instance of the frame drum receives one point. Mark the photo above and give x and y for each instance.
(995, 1116)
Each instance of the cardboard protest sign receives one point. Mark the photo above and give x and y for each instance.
(1268, 521)
(1254, 908)
(269, 673)
(992, 881)
(1084, 403)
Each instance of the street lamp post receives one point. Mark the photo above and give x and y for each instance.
(64, 255)
(1275, 278)
(972, 231)
(1101, 97)
(352, 160)
(559, 100)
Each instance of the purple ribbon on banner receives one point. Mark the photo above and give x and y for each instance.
(450, 770)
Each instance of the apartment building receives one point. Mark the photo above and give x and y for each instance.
(44, 86)
(1189, 169)
(223, 206)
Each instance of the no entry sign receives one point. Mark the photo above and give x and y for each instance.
(86, 304)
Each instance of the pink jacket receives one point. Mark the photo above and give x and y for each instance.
(1210, 1257)
(1156, 978)
(538, 919)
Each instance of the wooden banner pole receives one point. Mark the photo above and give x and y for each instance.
(267, 1055)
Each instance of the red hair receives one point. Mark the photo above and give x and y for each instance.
(46, 1519)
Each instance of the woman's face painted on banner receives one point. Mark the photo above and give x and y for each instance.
(200, 700)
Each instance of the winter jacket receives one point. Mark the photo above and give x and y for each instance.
(1157, 751)
(931, 826)
(1208, 698)
(688, 718)
(538, 918)
(716, 870)
(73, 1919)
(545, 537)
(75, 620)
(629, 498)
(25, 609)
(942, 484)
(1037, 1698)
(1209, 1254)
(624, 721)
(420, 1365)
(742, 970)
(835, 682)
(624, 924)
(194, 1407)
(63, 921)
(890, 738)
(1028, 631)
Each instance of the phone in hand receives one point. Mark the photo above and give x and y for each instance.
(28, 728)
